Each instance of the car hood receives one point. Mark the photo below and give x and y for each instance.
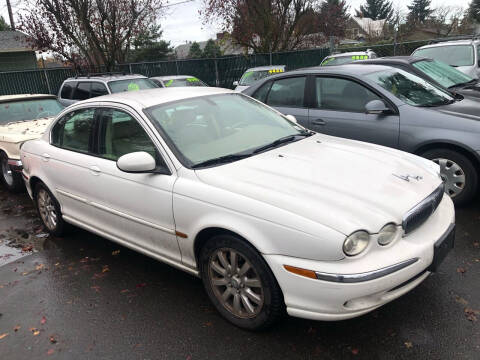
(468, 108)
(343, 184)
(24, 130)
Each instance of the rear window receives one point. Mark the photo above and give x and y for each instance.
(82, 91)
(67, 90)
(191, 81)
(455, 55)
(131, 85)
(340, 60)
(28, 110)
(251, 76)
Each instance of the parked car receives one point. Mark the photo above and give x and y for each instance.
(22, 118)
(177, 81)
(255, 74)
(385, 106)
(268, 214)
(348, 57)
(434, 71)
(85, 87)
(462, 54)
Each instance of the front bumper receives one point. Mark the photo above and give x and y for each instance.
(351, 287)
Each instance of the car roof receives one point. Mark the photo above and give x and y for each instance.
(151, 97)
(172, 77)
(269, 67)
(107, 77)
(396, 60)
(9, 98)
(352, 53)
(447, 43)
(351, 69)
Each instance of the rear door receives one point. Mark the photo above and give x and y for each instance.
(339, 110)
(287, 95)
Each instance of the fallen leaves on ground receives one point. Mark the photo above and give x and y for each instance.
(96, 288)
(461, 300)
(16, 328)
(35, 331)
(44, 320)
(105, 268)
(3, 335)
(116, 252)
(50, 351)
(355, 351)
(408, 344)
(27, 248)
(52, 339)
(471, 314)
(461, 270)
(141, 285)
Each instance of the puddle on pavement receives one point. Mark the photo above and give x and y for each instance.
(21, 231)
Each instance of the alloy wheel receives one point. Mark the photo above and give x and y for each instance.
(46, 208)
(235, 283)
(452, 175)
(7, 172)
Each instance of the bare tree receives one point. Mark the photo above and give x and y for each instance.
(446, 19)
(264, 25)
(87, 32)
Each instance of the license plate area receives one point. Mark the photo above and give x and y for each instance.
(442, 248)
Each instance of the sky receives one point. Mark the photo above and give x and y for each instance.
(182, 22)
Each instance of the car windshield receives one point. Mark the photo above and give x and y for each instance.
(340, 60)
(444, 74)
(131, 85)
(251, 76)
(410, 88)
(455, 55)
(213, 127)
(28, 110)
(191, 81)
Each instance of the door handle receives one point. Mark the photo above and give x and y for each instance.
(45, 157)
(95, 170)
(319, 122)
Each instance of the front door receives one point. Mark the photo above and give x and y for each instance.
(340, 111)
(139, 205)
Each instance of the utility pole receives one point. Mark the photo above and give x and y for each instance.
(10, 14)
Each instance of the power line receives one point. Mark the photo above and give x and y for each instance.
(178, 3)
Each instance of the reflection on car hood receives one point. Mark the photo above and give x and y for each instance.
(343, 184)
(24, 130)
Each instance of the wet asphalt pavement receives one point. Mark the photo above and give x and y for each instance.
(84, 297)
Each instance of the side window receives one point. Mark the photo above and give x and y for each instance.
(121, 134)
(67, 90)
(82, 91)
(98, 89)
(74, 131)
(262, 92)
(342, 95)
(287, 92)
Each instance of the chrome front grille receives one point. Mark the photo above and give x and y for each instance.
(421, 212)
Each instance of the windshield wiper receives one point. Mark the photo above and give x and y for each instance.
(471, 82)
(446, 102)
(283, 140)
(222, 160)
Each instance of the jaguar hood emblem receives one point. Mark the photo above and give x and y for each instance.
(408, 177)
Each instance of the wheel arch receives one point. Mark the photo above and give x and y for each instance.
(454, 146)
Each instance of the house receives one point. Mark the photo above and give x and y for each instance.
(15, 52)
(364, 28)
(226, 46)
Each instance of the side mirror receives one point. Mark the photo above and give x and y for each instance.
(235, 83)
(292, 118)
(377, 107)
(137, 162)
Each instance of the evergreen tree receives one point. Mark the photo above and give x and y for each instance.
(419, 11)
(376, 10)
(148, 46)
(333, 17)
(474, 11)
(3, 24)
(195, 51)
(211, 50)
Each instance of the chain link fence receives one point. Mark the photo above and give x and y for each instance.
(220, 72)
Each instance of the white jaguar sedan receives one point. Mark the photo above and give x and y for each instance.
(271, 216)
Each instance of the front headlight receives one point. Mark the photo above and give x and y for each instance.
(356, 243)
(387, 234)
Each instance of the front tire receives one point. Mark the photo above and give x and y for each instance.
(49, 210)
(240, 284)
(12, 180)
(458, 174)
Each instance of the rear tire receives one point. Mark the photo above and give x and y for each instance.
(49, 210)
(12, 180)
(458, 174)
(240, 284)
